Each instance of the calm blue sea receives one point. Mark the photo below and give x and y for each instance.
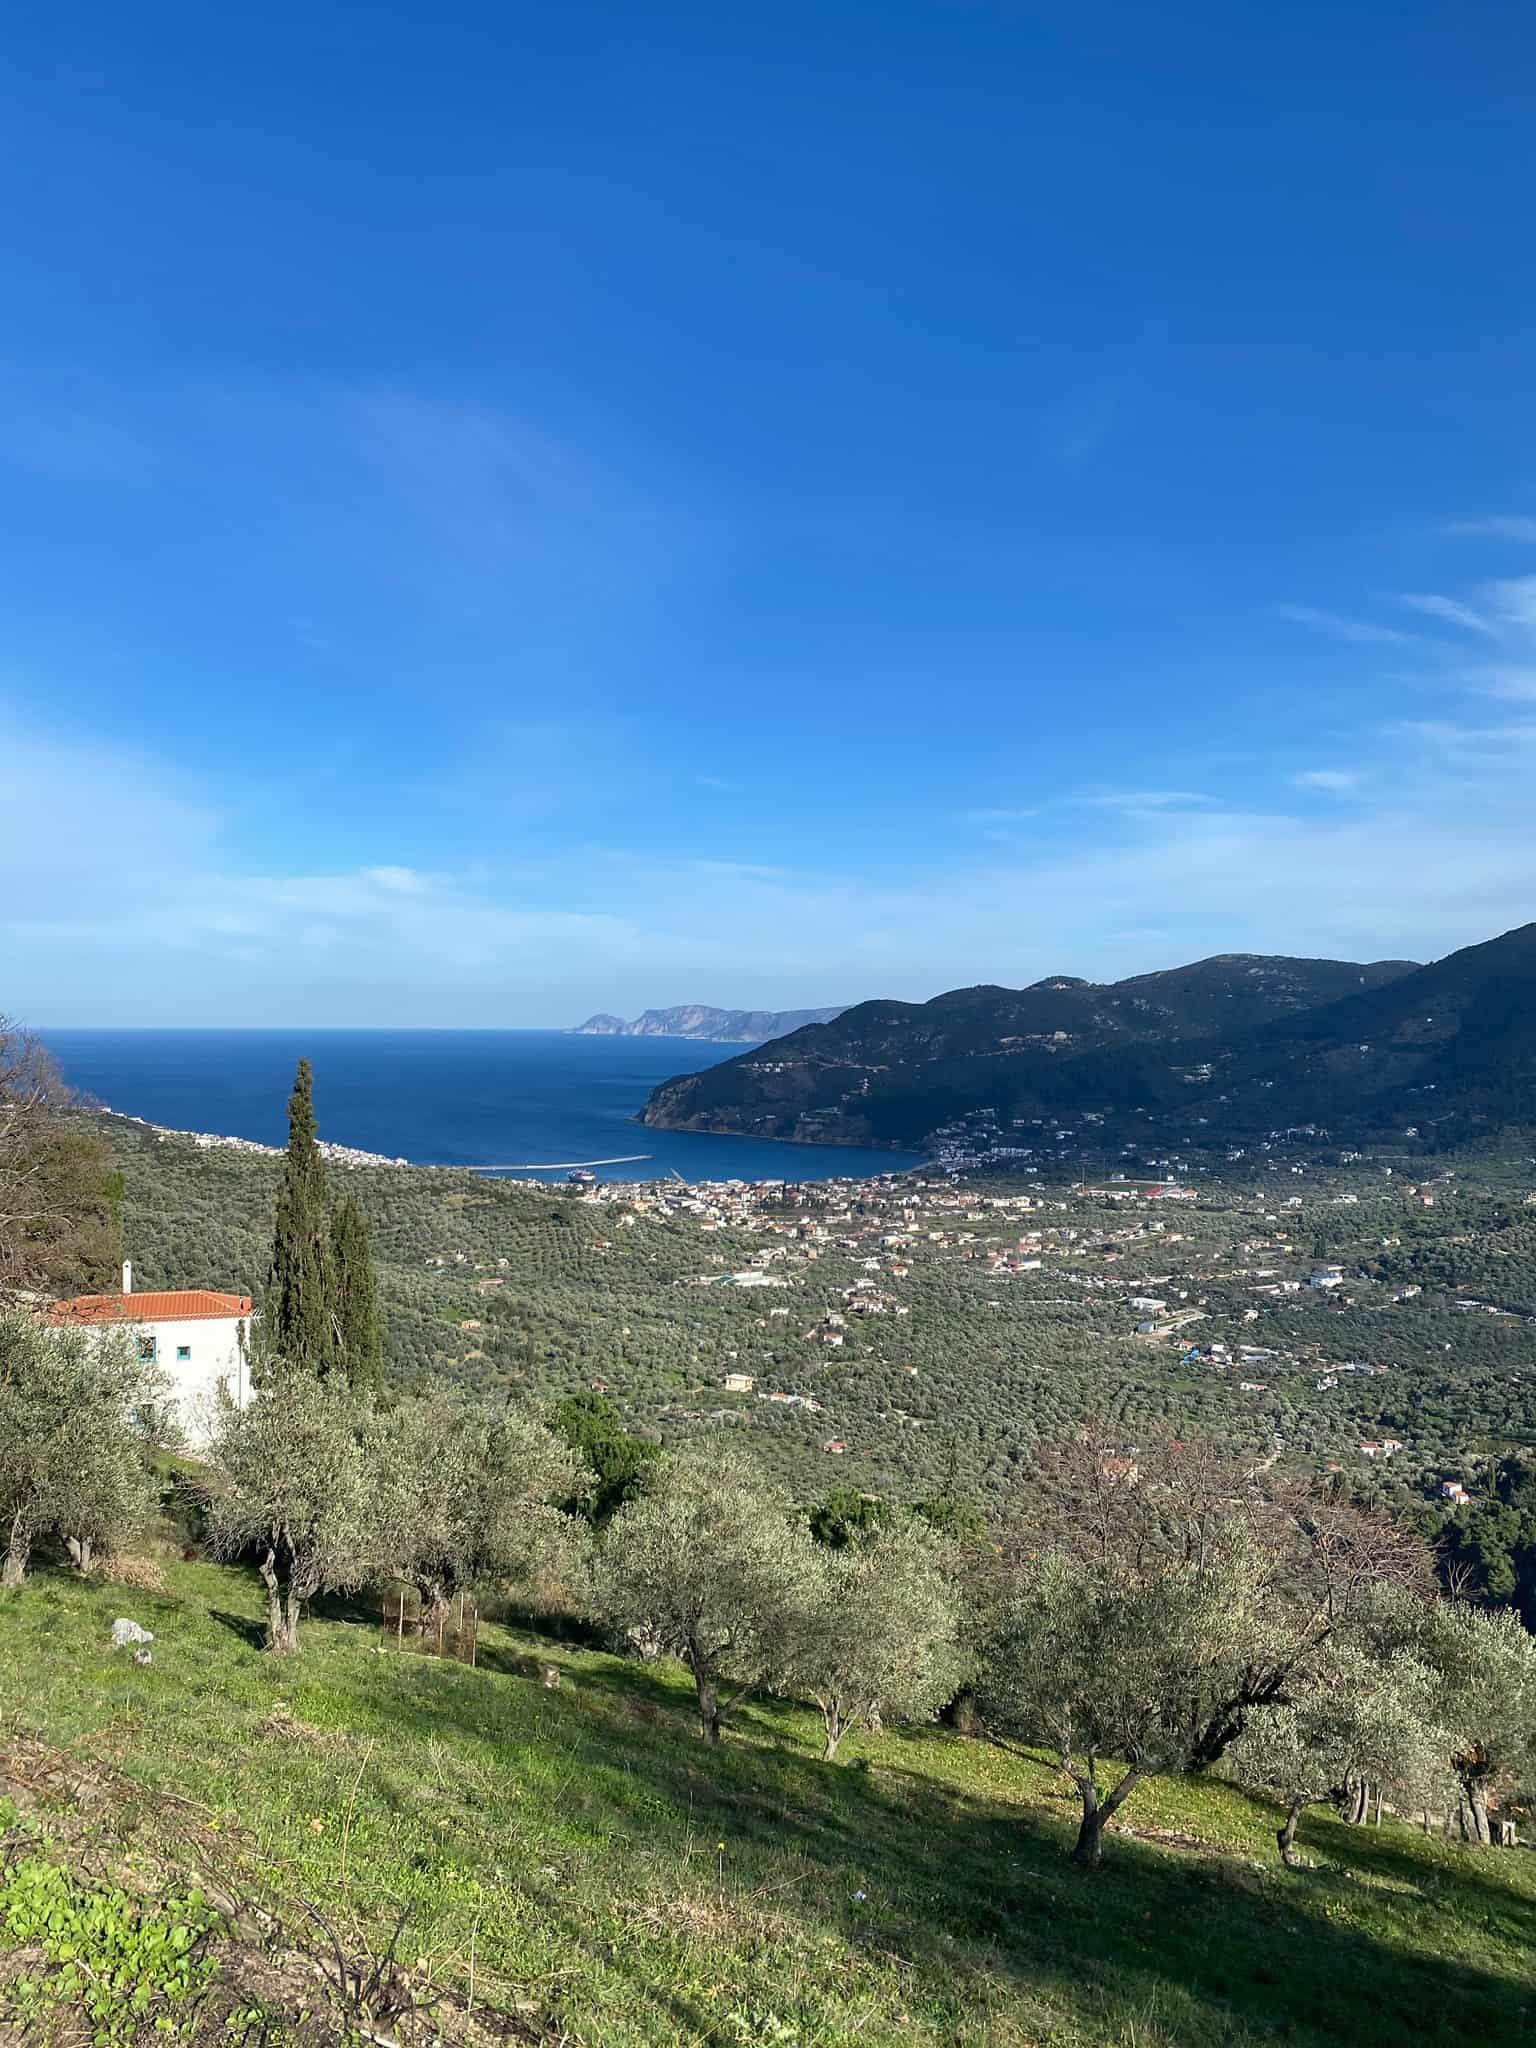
(537, 1101)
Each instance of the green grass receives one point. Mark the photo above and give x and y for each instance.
(611, 1882)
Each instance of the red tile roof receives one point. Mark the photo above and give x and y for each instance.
(186, 1305)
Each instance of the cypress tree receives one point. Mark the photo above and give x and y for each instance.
(356, 1297)
(300, 1309)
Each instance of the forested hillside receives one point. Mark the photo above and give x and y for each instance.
(1236, 1045)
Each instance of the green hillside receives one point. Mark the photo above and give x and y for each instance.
(895, 1073)
(581, 1865)
(1237, 1046)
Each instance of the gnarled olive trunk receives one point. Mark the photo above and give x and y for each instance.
(832, 1721)
(1088, 1852)
(1286, 1835)
(18, 1549)
(709, 1708)
(1472, 1813)
(1354, 1802)
(284, 1605)
(83, 1551)
(436, 1605)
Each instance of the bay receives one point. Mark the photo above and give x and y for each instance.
(534, 1103)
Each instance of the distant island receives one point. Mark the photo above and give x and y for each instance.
(700, 1020)
(1233, 1048)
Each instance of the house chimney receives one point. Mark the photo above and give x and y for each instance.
(127, 1276)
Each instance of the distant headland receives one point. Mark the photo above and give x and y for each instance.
(700, 1020)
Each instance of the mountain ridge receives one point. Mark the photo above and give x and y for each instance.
(1237, 1043)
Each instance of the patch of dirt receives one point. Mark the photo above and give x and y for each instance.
(1171, 1838)
(283, 1725)
(144, 1573)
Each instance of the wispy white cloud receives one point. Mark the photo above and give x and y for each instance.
(1332, 781)
(1515, 598)
(1517, 526)
(1132, 800)
(396, 881)
(1355, 632)
(133, 896)
(1514, 683)
(354, 502)
(109, 923)
(1450, 610)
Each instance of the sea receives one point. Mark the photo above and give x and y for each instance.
(534, 1105)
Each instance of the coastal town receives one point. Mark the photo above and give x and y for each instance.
(1291, 1299)
(879, 1319)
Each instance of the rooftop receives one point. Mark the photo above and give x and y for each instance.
(184, 1305)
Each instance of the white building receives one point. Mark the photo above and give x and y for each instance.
(200, 1340)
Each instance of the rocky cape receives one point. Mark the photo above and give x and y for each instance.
(700, 1020)
(1223, 1049)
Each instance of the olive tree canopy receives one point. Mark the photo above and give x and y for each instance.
(295, 1481)
(71, 1460)
(1316, 1566)
(1093, 1665)
(470, 1498)
(878, 1633)
(710, 1564)
(60, 1196)
(1484, 1667)
(1362, 1719)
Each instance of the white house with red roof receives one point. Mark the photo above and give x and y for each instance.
(200, 1340)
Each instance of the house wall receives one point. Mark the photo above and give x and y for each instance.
(217, 1350)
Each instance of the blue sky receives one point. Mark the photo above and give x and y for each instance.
(510, 511)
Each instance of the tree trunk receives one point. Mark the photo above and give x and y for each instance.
(278, 1641)
(1474, 1813)
(1089, 1850)
(832, 1721)
(435, 1603)
(293, 1607)
(1286, 1835)
(82, 1550)
(709, 1710)
(18, 1550)
(436, 1606)
(1352, 1807)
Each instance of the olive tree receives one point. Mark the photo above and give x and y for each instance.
(71, 1459)
(59, 1192)
(1096, 1666)
(1361, 1720)
(711, 1565)
(878, 1632)
(295, 1481)
(470, 1498)
(1484, 1665)
(1316, 1565)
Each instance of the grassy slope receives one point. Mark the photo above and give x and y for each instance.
(569, 1841)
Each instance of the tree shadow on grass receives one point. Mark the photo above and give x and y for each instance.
(943, 1880)
(1384, 1854)
(363, 1608)
(252, 1633)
